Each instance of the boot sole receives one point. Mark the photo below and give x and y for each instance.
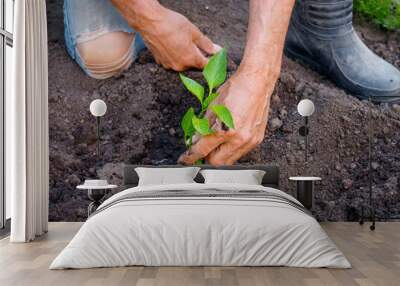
(317, 67)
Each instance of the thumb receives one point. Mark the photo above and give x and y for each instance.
(203, 147)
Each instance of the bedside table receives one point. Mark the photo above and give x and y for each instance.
(305, 186)
(97, 190)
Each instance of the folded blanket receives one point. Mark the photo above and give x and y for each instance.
(206, 194)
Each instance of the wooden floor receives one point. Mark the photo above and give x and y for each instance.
(375, 257)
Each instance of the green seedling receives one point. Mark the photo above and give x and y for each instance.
(194, 120)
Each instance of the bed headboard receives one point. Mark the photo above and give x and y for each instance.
(271, 177)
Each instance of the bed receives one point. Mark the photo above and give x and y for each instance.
(198, 224)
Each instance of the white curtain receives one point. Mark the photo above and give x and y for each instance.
(27, 124)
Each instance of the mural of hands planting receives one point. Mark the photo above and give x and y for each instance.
(218, 82)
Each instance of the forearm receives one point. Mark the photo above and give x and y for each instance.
(268, 24)
(140, 14)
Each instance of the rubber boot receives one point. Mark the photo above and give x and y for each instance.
(321, 34)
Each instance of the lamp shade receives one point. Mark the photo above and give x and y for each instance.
(98, 107)
(306, 107)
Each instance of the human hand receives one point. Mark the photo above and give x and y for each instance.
(247, 95)
(176, 43)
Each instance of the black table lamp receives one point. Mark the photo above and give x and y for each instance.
(97, 189)
(305, 184)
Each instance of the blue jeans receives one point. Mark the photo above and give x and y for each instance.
(85, 20)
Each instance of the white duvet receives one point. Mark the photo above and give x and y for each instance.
(200, 231)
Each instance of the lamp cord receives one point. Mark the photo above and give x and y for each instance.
(98, 140)
(370, 151)
(306, 142)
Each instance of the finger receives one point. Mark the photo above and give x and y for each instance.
(212, 118)
(203, 147)
(229, 153)
(159, 59)
(223, 155)
(237, 147)
(206, 45)
(200, 61)
(155, 55)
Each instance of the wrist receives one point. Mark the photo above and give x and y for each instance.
(140, 14)
(256, 72)
(253, 68)
(261, 68)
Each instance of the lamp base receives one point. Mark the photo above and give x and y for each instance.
(371, 216)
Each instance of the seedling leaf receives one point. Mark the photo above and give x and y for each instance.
(223, 114)
(193, 86)
(187, 124)
(215, 70)
(209, 99)
(201, 125)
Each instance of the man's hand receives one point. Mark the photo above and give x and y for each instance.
(247, 97)
(174, 41)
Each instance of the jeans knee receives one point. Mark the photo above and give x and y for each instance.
(107, 55)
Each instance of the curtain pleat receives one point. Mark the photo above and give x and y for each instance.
(29, 159)
(15, 129)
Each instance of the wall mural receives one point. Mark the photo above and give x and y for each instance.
(146, 104)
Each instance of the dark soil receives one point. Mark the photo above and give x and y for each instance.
(146, 102)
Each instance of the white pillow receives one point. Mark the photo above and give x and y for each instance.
(248, 177)
(165, 176)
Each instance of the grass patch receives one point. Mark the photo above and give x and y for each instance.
(385, 13)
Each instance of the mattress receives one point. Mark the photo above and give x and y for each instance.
(201, 225)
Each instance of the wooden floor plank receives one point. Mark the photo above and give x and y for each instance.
(375, 257)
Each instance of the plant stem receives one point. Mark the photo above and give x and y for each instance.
(204, 108)
(199, 162)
